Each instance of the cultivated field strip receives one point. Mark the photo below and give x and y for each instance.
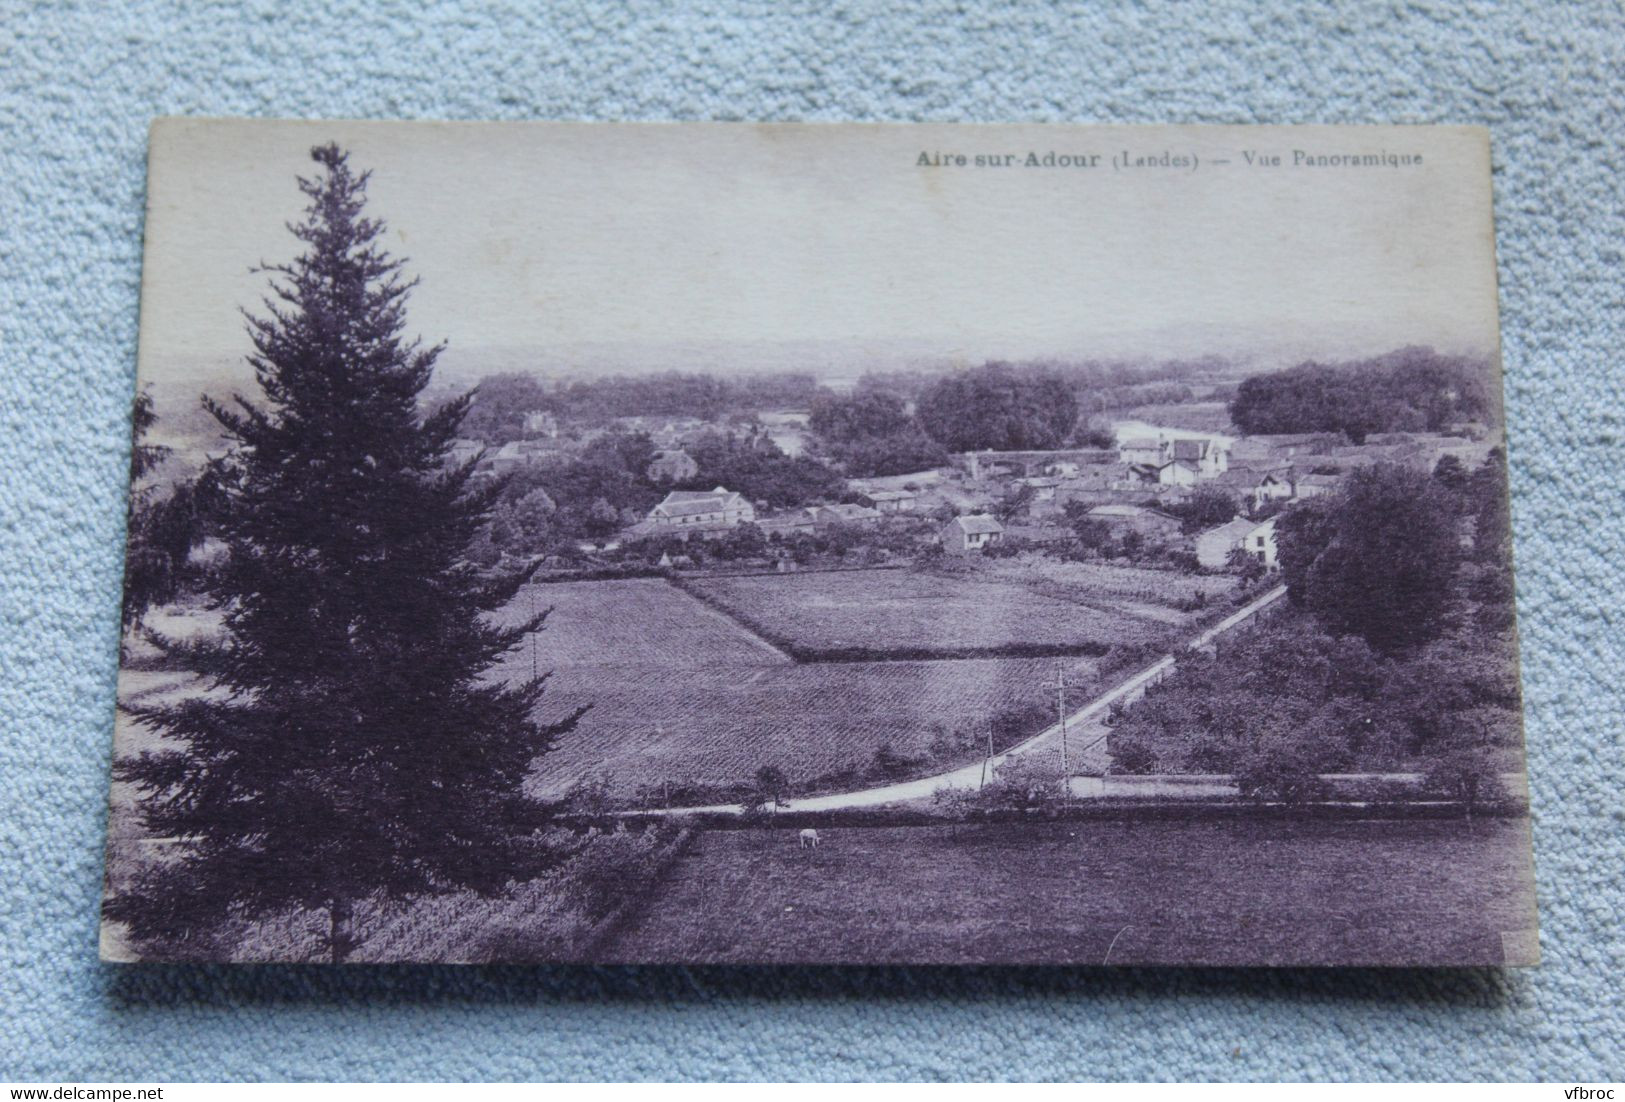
(904, 610)
(655, 725)
(682, 694)
(634, 622)
(1104, 582)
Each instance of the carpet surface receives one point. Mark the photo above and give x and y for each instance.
(78, 85)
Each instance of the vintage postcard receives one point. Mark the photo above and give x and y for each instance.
(819, 543)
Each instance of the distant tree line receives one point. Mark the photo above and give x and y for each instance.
(1099, 400)
(503, 401)
(1411, 390)
(999, 406)
(871, 434)
(1002, 406)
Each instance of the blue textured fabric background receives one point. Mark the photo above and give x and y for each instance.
(78, 85)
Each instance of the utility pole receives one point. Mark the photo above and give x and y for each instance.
(1059, 686)
(531, 587)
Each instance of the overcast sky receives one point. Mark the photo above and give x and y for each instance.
(558, 235)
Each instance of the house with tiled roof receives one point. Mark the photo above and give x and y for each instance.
(1314, 485)
(672, 465)
(963, 535)
(1255, 486)
(1137, 518)
(688, 510)
(889, 501)
(1193, 460)
(1140, 450)
(1183, 461)
(1256, 538)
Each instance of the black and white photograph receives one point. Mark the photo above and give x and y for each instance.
(705, 543)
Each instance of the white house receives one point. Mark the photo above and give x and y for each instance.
(889, 501)
(1255, 486)
(962, 535)
(690, 509)
(1141, 450)
(1256, 538)
(1178, 462)
(1191, 461)
(1260, 543)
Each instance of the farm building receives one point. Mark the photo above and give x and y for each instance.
(1214, 546)
(1043, 487)
(1179, 462)
(1257, 486)
(1141, 451)
(962, 535)
(1137, 518)
(674, 465)
(1191, 461)
(1313, 485)
(718, 508)
(787, 524)
(889, 501)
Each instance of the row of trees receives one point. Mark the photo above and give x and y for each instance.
(870, 433)
(503, 401)
(1410, 390)
(998, 405)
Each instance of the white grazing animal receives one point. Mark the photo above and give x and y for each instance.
(809, 839)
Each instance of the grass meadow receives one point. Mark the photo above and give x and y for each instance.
(905, 610)
(1242, 892)
(683, 694)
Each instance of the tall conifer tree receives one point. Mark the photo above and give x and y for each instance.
(356, 748)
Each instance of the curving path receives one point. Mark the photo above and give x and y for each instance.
(1085, 726)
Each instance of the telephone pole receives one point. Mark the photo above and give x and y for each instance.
(1059, 685)
(531, 587)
